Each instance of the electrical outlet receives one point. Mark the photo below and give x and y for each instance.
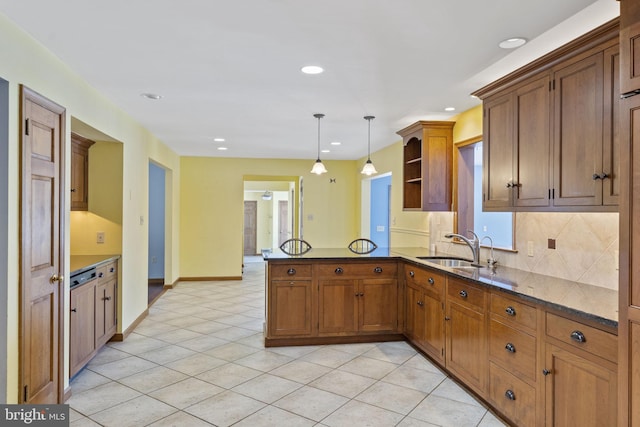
(100, 237)
(530, 248)
(551, 243)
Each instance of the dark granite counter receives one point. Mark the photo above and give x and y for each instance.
(579, 299)
(83, 262)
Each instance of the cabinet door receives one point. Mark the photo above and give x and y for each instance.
(105, 312)
(630, 44)
(81, 330)
(498, 153)
(79, 177)
(290, 308)
(414, 313)
(433, 336)
(579, 392)
(611, 126)
(578, 124)
(466, 349)
(531, 182)
(337, 306)
(378, 305)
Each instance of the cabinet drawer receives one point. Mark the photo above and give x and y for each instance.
(513, 349)
(466, 294)
(584, 337)
(513, 312)
(289, 271)
(430, 280)
(107, 271)
(357, 270)
(512, 396)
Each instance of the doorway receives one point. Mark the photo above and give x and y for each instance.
(250, 227)
(157, 226)
(376, 209)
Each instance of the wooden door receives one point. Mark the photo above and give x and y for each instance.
(377, 305)
(283, 221)
(466, 345)
(579, 392)
(337, 306)
(290, 308)
(41, 251)
(250, 227)
(611, 125)
(578, 120)
(498, 153)
(82, 333)
(532, 144)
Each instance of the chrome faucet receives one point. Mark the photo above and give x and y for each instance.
(473, 244)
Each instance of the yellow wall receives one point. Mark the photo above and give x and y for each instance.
(25, 61)
(211, 226)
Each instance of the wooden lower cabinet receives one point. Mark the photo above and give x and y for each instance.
(579, 391)
(93, 319)
(512, 396)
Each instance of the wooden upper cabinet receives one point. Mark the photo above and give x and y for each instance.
(550, 136)
(80, 172)
(630, 46)
(428, 154)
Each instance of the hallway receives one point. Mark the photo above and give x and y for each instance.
(198, 360)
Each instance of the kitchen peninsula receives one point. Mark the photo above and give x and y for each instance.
(523, 342)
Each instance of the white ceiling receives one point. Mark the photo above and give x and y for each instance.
(231, 68)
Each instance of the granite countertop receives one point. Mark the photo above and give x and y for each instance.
(84, 262)
(580, 299)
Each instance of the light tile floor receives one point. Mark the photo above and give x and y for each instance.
(198, 359)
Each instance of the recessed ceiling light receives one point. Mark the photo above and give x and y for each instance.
(222, 148)
(218, 139)
(336, 143)
(312, 69)
(153, 96)
(450, 109)
(512, 43)
(325, 151)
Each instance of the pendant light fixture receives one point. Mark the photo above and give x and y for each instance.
(318, 167)
(368, 168)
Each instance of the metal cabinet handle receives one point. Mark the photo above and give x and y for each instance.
(420, 303)
(578, 336)
(510, 348)
(510, 311)
(509, 185)
(463, 294)
(411, 273)
(510, 395)
(101, 274)
(112, 269)
(291, 271)
(377, 270)
(339, 270)
(602, 176)
(75, 310)
(546, 372)
(106, 299)
(291, 283)
(431, 281)
(359, 294)
(73, 190)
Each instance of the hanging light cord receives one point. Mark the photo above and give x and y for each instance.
(318, 116)
(369, 118)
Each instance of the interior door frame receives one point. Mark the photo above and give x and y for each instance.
(26, 93)
(4, 229)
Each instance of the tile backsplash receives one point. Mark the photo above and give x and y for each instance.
(586, 245)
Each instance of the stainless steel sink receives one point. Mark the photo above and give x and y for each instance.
(450, 262)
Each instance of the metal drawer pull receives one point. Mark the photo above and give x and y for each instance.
(510, 311)
(546, 372)
(411, 273)
(510, 395)
(420, 303)
(510, 348)
(578, 336)
(463, 294)
(359, 294)
(112, 269)
(291, 271)
(339, 270)
(377, 270)
(431, 281)
(101, 274)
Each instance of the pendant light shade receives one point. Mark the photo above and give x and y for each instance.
(318, 167)
(368, 168)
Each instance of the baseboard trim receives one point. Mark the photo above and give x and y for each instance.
(208, 278)
(156, 281)
(350, 339)
(124, 334)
